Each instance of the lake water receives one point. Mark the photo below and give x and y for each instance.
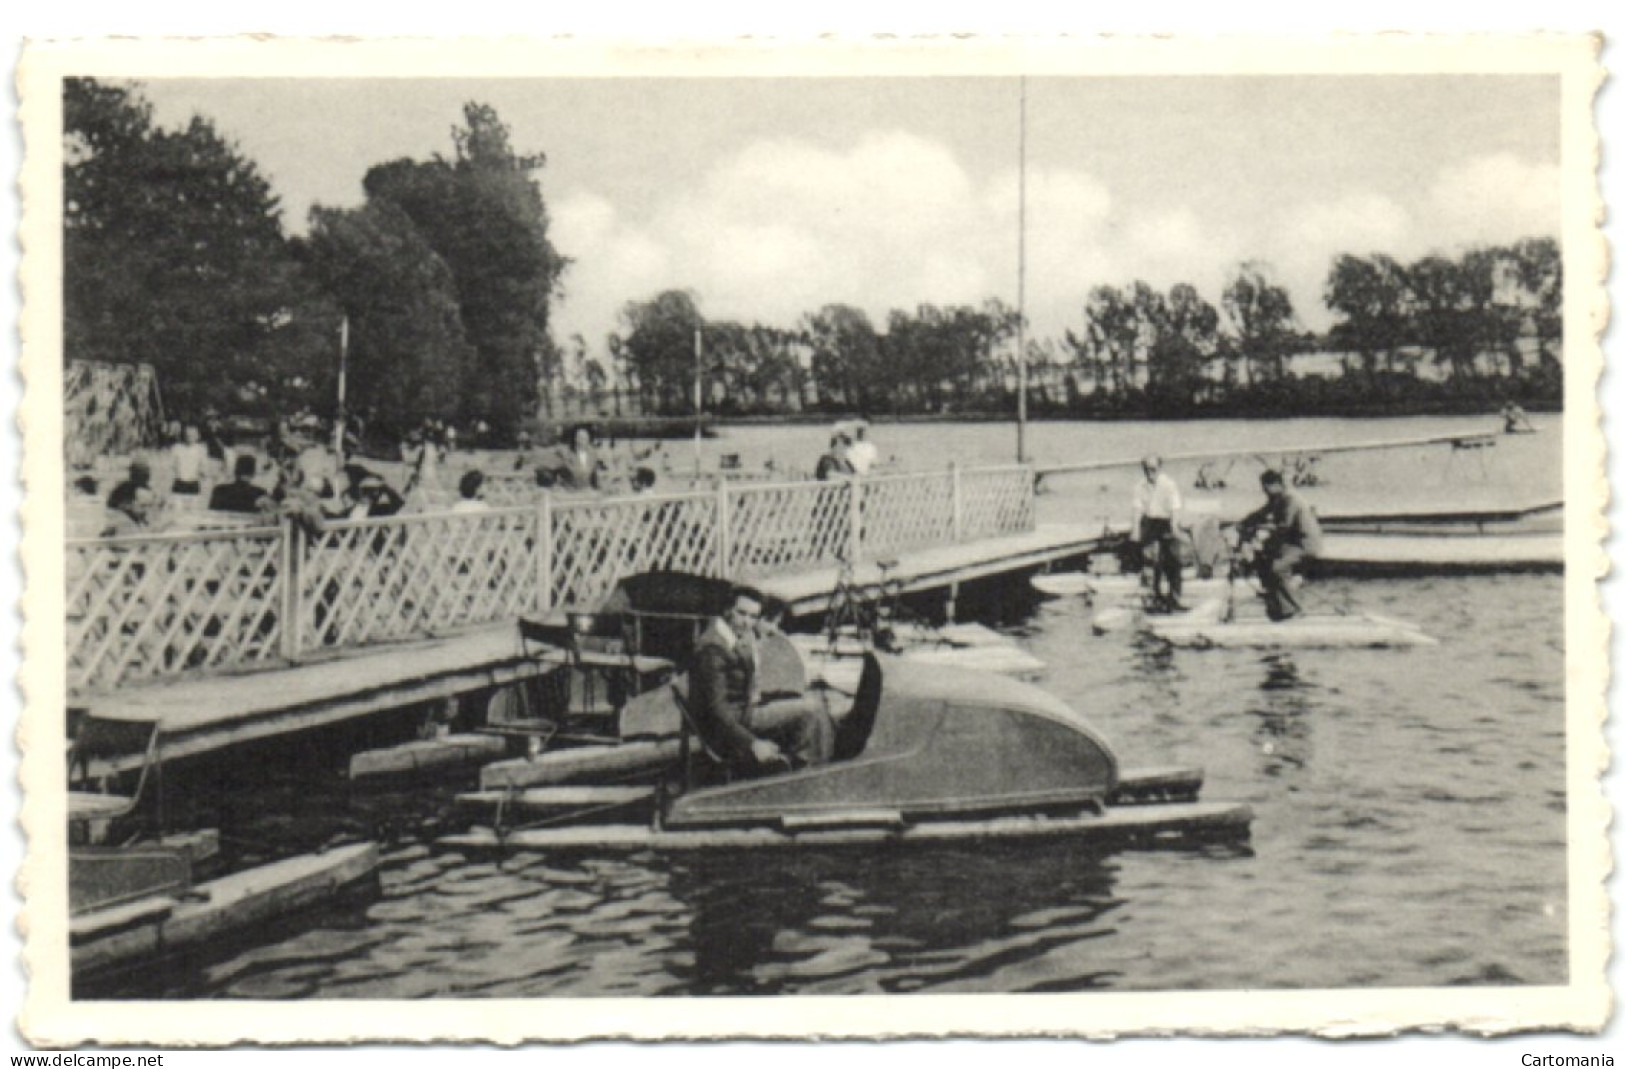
(1409, 825)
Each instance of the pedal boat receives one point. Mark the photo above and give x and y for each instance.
(927, 753)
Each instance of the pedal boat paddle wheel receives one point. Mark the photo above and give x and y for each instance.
(926, 753)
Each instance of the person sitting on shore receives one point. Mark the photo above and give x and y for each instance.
(1514, 419)
(367, 496)
(241, 494)
(189, 456)
(835, 464)
(1284, 533)
(750, 734)
(133, 505)
(862, 454)
(471, 492)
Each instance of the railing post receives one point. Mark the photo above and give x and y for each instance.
(290, 607)
(855, 506)
(1029, 483)
(544, 555)
(957, 532)
(724, 534)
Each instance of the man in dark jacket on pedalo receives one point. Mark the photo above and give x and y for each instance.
(725, 697)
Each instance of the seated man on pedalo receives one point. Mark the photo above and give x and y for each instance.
(1284, 533)
(724, 695)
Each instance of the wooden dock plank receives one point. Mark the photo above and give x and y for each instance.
(1346, 554)
(937, 566)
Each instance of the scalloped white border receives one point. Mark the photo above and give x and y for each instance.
(49, 1018)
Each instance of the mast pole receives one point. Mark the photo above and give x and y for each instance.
(1021, 289)
(344, 362)
(699, 394)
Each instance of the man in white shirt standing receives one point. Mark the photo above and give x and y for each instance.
(1156, 507)
(861, 454)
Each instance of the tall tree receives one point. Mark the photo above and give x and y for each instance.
(174, 256)
(1261, 313)
(1371, 295)
(408, 352)
(1538, 268)
(658, 347)
(846, 354)
(1185, 337)
(482, 212)
(1109, 339)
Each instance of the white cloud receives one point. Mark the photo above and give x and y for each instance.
(1496, 199)
(893, 220)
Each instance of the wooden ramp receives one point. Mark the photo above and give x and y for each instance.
(940, 566)
(212, 713)
(1393, 554)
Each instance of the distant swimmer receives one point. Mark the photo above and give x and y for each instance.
(1515, 419)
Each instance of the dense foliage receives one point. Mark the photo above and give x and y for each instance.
(174, 257)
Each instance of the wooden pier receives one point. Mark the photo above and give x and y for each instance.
(238, 635)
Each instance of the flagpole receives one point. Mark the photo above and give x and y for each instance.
(344, 362)
(699, 394)
(1021, 289)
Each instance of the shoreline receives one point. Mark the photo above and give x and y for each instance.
(1245, 414)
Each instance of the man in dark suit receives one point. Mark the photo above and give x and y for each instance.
(725, 697)
(239, 495)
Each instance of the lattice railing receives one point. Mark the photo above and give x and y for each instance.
(906, 511)
(167, 604)
(406, 576)
(788, 526)
(144, 607)
(996, 501)
(597, 542)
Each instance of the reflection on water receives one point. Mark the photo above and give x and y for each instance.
(1283, 721)
(1409, 832)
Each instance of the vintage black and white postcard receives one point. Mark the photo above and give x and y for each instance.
(567, 539)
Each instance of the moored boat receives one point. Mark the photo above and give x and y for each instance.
(927, 753)
(133, 897)
(163, 911)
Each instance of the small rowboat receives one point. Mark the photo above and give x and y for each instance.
(174, 914)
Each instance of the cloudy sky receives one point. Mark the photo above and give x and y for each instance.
(772, 197)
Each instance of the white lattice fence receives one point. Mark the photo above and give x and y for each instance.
(163, 604)
(512, 490)
(905, 511)
(168, 604)
(996, 501)
(788, 526)
(597, 542)
(408, 576)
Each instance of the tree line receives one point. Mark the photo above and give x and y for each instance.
(442, 282)
(1488, 325)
